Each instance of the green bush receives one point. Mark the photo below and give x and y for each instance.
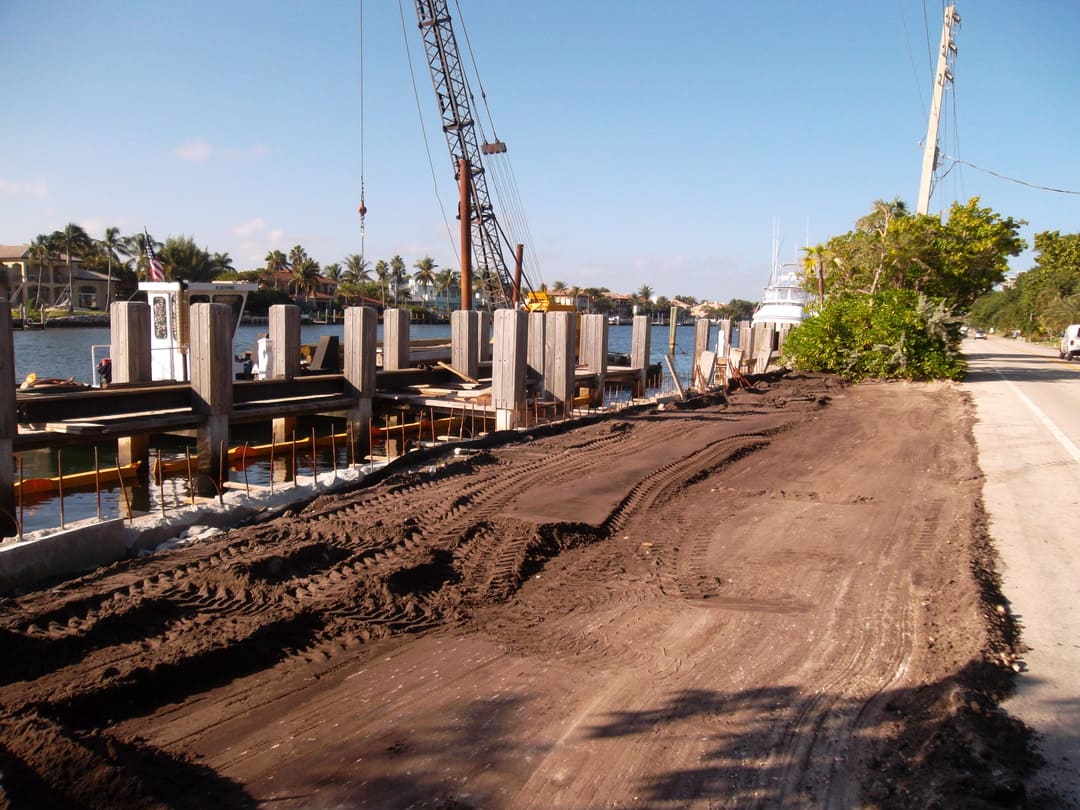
(895, 334)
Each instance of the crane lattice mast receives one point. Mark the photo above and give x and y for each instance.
(452, 93)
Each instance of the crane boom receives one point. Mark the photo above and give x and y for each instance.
(453, 96)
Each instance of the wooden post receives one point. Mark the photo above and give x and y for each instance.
(284, 323)
(129, 336)
(129, 352)
(702, 333)
(519, 262)
(746, 342)
(465, 342)
(8, 425)
(483, 346)
(212, 384)
(534, 359)
(640, 347)
(508, 367)
(594, 351)
(360, 323)
(723, 340)
(285, 340)
(395, 343)
(673, 325)
(465, 217)
(559, 360)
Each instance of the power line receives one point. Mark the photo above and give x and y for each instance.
(1010, 179)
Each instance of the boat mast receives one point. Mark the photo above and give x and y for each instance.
(944, 74)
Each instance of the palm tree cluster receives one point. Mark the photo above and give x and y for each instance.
(125, 261)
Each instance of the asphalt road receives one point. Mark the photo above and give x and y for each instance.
(1028, 435)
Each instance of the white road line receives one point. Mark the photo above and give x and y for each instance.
(1055, 431)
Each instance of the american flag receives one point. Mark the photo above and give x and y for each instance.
(157, 272)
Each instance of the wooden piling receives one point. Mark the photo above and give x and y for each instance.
(360, 323)
(395, 343)
(211, 381)
(8, 425)
(508, 367)
(534, 356)
(640, 348)
(559, 359)
(594, 352)
(465, 342)
(702, 335)
(129, 352)
(483, 337)
(284, 322)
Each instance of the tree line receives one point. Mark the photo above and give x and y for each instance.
(1045, 299)
(891, 295)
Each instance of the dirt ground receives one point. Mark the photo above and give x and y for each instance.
(787, 598)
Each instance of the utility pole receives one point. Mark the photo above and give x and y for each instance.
(944, 74)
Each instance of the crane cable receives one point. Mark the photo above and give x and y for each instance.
(423, 130)
(502, 173)
(362, 209)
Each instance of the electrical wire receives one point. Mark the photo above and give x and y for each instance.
(911, 59)
(1010, 179)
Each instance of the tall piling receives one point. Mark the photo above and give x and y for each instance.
(284, 322)
(594, 353)
(395, 348)
(465, 342)
(702, 335)
(129, 354)
(360, 331)
(483, 336)
(534, 357)
(508, 367)
(8, 423)
(212, 387)
(559, 358)
(640, 348)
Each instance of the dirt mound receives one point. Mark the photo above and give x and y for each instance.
(783, 598)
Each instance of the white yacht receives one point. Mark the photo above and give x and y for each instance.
(784, 298)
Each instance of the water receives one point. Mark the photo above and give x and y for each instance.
(64, 353)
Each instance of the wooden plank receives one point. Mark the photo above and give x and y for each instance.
(675, 377)
(457, 373)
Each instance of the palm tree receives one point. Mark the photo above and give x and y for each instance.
(222, 263)
(186, 260)
(110, 243)
(71, 240)
(305, 276)
(135, 248)
(382, 274)
(39, 252)
(444, 280)
(356, 268)
(397, 275)
(275, 261)
(425, 274)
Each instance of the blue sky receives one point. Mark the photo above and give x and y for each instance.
(651, 142)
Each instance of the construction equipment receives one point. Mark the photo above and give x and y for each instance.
(454, 98)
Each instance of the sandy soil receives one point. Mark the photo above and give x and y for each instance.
(783, 599)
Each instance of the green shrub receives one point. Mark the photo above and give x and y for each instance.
(895, 334)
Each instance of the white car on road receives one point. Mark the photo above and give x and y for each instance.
(1070, 342)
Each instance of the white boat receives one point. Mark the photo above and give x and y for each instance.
(170, 319)
(784, 299)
